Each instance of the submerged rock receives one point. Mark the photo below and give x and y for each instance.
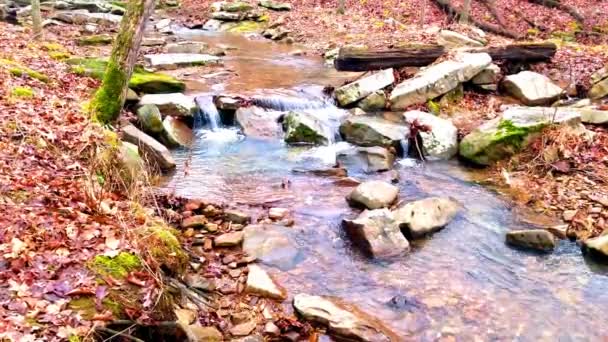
(179, 60)
(506, 135)
(272, 245)
(377, 233)
(176, 133)
(367, 159)
(176, 104)
(150, 118)
(363, 87)
(261, 283)
(305, 128)
(370, 131)
(442, 141)
(532, 89)
(156, 154)
(596, 247)
(538, 239)
(438, 79)
(342, 320)
(373, 195)
(426, 216)
(259, 123)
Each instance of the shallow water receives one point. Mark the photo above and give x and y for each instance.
(462, 281)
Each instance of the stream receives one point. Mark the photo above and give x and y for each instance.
(462, 282)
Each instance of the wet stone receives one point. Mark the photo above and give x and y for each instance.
(537, 239)
(261, 283)
(236, 216)
(198, 221)
(373, 195)
(229, 239)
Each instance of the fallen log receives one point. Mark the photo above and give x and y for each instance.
(422, 55)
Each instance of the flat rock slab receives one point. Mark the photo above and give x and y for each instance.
(258, 122)
(177, 60)
(373, 195)
(261, 283)
(451, 39)
(537, 239)
(80, 17)
(367, 159)
(342, 319)
(174, 104)
(156, 152)
(532, 89)
(363, 87)
(371, 131)
(438, 79)
(229, 239)
(377, 233)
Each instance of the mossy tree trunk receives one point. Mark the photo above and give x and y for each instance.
(110, 98)
(36, 19)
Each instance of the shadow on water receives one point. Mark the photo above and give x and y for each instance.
(462, 281)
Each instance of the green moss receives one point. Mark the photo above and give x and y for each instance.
(59, 56)
(53, 47)
(118, 267)
(22, 92)
(102, 39)
(165, 248)
(433, 107)
(74, 338)
(122, 4)
(246, 27)
(19, 70)
(85, 305)
(106, 105)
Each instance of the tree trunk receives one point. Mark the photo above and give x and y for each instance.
(422, 55)
(341, 5)
(466, 10)
(110, 98)
(36, 19)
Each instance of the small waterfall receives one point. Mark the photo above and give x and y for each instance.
(209, 112)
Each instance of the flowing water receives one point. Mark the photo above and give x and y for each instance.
(462, 282)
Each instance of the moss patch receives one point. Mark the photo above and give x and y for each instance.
(118, 267)
(87, 308)
(22, 92)
(164, 247)
(245, 27)
(102, 39)
(19, 70)
(51, 46)
(59, 56)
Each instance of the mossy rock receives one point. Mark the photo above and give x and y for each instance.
(102, 39)
(141, 81)
(237, 7)
(303, 128)
(22, 92)
(164, 248)
(246, 26)
(51, 46)
(18, 70)
(150, 118)
(118, 267)
(59, 55)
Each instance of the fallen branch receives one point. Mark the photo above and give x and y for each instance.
(562, 7)
(492, 8)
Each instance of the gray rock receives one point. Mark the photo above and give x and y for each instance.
(367, 159)
(451, 39)
(599, 90)
(538, 239)
(276, 33)
(258, 122)
(438, 79)
(259, 282)
(155, 152)
(596, 247)
(341, 319)
(163, 24)
(593, 116)
(599, 75)
(153, 41)
(150, 118)
(532, 89)
(363, 87)
(180, 60)
(272, 245)
(442, 141)
(373, 195)
(506, 135)
(228, 103)
(305, 128)
(370, 131)
(275, 6)
(176, 133)
(376, 101)
(237, 6)
(80, 17)
(229, 239)
(130, 158)
(227, 16)
(174, 104)
(91, 6)
(243, 329)
(426, 216)
(377, 233)
(489, 75)
(212, 25)
(188, 47)
(237, 217)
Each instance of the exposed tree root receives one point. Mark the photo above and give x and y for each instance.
(491, 6)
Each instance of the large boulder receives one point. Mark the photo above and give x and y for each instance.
(155, 152)
(438, 79)
(176, 133)
(441, 142)
(272, 245)
(377, 233)
(176, 104)
(373, 195)
(366, 159)
(258, 122)
(532, 89)
(179, 60)
(537, 239)
(305, 128)
(507, 134)
(363, 87)
(370, 131)
(451, 39)
(596, 247)
(426, 216)
(342, 320)
(150, 119)
(259, 282)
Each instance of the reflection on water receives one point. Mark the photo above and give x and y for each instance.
(463, 280)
